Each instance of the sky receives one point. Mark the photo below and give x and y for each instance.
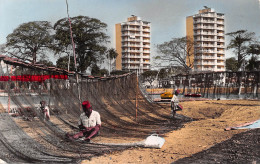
(167, 17)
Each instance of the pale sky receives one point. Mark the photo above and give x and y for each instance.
(167, 17)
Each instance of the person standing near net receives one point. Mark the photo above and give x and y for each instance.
(89, 123)
(45, 110)
(175, 103)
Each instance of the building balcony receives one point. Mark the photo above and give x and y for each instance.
(205, 51)
(220, 22)
(146, 35)
(204, 39)
(205, 57)
(146, 46)
(205, 33)
(220, 46)
(131, 23)
(220, 52)
(132, 45)
(146, 30)
(220, 28)
(146, 40)
(220, 16)
(204, 21)
(131, 56)
(221, 57)
(205, 15)
(134, 29)
(131, 40)
(220, 34)
(205, 45)
(137, 51)
(221, 40)
(146, 51)
(220, 64)
(146, 57)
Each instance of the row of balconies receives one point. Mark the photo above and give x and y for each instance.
(209, 57)
(200, 22)
(136, 56)
(211, 15)
(135, 40)
(209, 45)
(135, 62)
(135, 45)
(127, 67)
(204, 21)
(135, 29)
(209, 63)
(140, 23)
(205, 33)
(208, 39)
(210, 69)
(137, 51)
(209, 51)
(209, 27)
(135, 34)
(220, 34)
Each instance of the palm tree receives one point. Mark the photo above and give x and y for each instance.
(240, 41)
(111, 55)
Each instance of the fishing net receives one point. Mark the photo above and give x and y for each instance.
(124, 110)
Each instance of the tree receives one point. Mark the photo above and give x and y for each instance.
(252, 63)
(88, 36)
(30, 40)
(240, 41)
(95, 71)
(111, 55)
(62, 63)
(231, 64)
(46, 62)
(149, 76)
(178, 51)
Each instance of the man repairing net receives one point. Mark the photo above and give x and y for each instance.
(89, 123)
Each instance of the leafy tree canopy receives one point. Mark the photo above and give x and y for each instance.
(62, 63)
(30, 40)
(178, 51)
(46, 63)
(240, 41)
(89, 38)
(231, 64)
(149, 76)
(253, 63)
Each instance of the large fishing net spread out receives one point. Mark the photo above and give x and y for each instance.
(24, 131)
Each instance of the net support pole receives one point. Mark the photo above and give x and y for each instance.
(74, 54)
(136, 98)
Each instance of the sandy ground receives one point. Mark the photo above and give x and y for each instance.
(211, 117)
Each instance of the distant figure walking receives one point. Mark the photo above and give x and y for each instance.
(175, 103)
(45, 110)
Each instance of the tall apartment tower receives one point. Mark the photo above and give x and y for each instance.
(133, 45)
(207, 31)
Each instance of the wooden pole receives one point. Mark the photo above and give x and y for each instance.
(136, 98)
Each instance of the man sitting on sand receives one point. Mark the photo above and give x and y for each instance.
(89, 123)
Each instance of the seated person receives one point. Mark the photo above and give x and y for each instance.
(89, 123)
(45, 110)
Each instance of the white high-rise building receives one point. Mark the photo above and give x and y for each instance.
(133, 45)
(207, 30)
